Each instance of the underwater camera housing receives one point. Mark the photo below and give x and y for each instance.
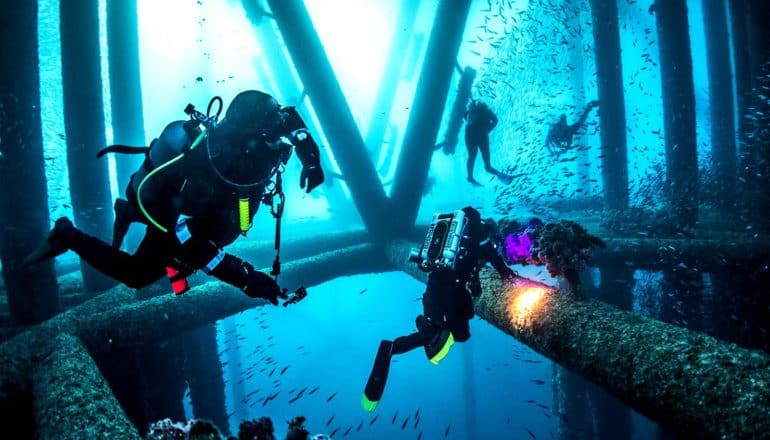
(443, 243)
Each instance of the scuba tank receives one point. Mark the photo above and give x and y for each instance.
(176, 140)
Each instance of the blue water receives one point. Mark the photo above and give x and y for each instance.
(330, 339)
(484, 389)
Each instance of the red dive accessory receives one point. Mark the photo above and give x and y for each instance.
(178, 281)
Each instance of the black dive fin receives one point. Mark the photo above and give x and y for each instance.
(51, 247)
(122, 149)
(378, 377)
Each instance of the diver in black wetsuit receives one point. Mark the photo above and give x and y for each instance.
(198, 189)
(448, 298)
(559, 139)
(481, 120)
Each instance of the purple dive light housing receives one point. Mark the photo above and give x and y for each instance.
(517, 246)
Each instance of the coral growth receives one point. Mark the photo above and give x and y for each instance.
(255, 429)
(297, 429)
(563, 247)
(195, 429)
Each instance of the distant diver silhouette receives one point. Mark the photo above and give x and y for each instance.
(560, 135)
(481, 120)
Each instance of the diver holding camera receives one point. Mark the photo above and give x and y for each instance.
(455, 249)
(197, 190)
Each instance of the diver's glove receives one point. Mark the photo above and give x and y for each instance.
(260, 285)
(307, 150)
(311, 176)
(242, 275)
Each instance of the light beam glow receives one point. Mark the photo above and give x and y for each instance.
(525, 301)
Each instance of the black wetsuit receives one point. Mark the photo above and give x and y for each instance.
(448, 298)
(447, 307)
(198, 211)
(481, 120)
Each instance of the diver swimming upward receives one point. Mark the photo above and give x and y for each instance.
(197, 191)
(457, 246)
(560, 135)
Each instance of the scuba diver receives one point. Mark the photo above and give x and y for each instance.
(197, 190)
(560, 135)
(481, 120)
(455, 249)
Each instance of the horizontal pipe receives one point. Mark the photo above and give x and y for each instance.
(663, 253)
(706, 255)
(120, 318)
(686, 381)
(168, 315)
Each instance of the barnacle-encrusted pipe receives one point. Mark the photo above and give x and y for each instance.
(686, 381)
(119, 319)
(72, 400)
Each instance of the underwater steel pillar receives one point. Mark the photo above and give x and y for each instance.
(612, 109)
(33, 295)
(427, 110)
(742, 62)
(457, 114)
(756, 151)
(125, 84)
(724, 158)
(686, 381)
(84, 127)
(678, 110)
(203, 371)
(334, 114)
(291, 94)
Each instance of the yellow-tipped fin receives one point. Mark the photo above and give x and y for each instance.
(367, 404)
(444, 350)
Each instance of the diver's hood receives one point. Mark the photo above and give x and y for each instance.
(245, 148)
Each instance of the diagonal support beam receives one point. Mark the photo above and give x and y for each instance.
(686, 381)
(425, 118)
(334, 114)
(291, 94)
(72, 400)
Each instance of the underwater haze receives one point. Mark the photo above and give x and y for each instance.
(385, 219)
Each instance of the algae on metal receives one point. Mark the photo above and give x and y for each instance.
(71, 398)
(119, 318)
